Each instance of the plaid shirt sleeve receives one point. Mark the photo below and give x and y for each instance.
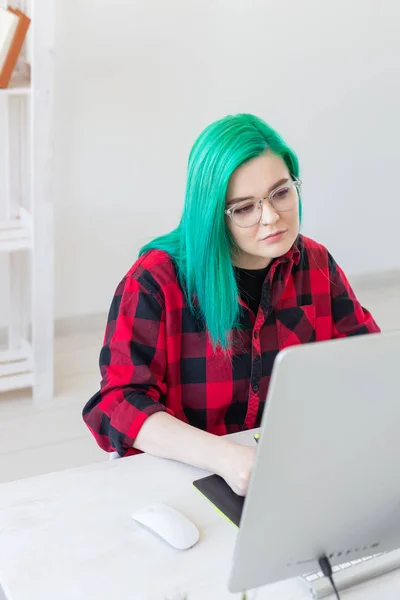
(348, 316)
(132, 365)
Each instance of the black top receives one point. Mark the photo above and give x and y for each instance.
(250, 282)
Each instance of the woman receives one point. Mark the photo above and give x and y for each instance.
(196, 324)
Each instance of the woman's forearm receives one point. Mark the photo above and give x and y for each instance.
(165, 436)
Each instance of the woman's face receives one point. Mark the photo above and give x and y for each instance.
(277, 230)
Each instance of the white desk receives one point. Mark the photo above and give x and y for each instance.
(70, 536)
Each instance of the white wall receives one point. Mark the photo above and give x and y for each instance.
(137, 80)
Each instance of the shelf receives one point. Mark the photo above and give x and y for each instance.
(14, 235)
(16, 382)
(26, 107)
(16, 370)
(16, 88)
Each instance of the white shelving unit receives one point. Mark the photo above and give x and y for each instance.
(26, 233)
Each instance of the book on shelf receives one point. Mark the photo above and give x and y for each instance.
(14, 25)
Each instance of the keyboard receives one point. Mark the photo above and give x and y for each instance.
(354, 572)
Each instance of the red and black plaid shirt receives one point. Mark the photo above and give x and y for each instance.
(157, 355)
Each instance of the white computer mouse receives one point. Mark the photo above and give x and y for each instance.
(169, 524)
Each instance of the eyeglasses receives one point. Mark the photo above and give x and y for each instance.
(249, 212)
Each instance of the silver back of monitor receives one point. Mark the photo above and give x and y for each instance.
(327, 473)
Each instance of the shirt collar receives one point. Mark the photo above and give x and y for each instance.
(293, 253)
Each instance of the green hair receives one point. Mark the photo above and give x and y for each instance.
(201, 245)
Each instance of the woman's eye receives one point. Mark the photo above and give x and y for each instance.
(244, 209)
(282, 193)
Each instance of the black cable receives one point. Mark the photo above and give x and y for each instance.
(326, 568)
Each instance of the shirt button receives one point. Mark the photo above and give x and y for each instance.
(256, 335)
(255, 388)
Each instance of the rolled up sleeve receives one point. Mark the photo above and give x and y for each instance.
(348, 316)
(132, 366)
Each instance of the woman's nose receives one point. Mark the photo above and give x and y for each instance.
(269, 215)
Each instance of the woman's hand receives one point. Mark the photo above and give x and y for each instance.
(165, 436)
(237, 465)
